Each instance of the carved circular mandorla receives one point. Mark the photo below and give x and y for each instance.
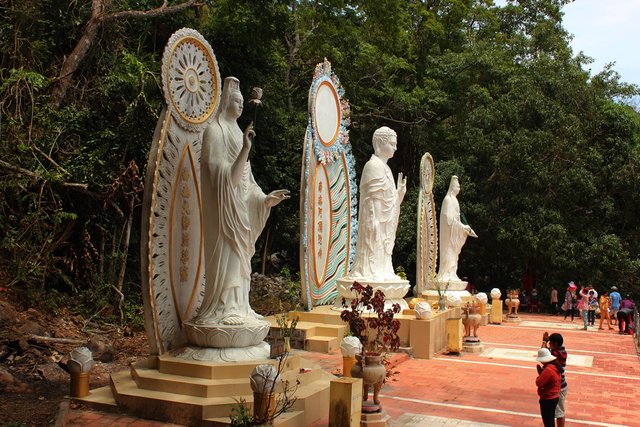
(190, 79)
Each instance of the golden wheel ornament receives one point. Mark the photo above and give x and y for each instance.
(190, 79)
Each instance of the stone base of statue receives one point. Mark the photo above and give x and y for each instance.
(221, 355)
(394, 291)
(194, 393)
(431, 295)
(450, 285)
(251, 333)
(472, 345)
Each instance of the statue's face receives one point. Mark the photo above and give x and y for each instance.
(389, 147)
(236, 105)
(456, 187)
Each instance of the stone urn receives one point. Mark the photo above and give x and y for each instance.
(482, 301)
(512, 303)
(349, 347)
(471, 320)
(372, 372)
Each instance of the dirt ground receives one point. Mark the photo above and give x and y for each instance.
(32, 379)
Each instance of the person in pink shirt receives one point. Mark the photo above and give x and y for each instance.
(583, 306)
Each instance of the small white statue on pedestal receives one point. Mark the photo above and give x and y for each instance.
(379, 211)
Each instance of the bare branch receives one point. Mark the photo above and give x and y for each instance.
(391, 119)
(21, 171)
(151, 13)
(56, 340)
(90, 34)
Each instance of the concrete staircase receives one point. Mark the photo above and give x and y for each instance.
(195, 393)
(311, 336)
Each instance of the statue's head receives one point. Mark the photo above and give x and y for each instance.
(385, 142)
(454, 186)
(231, 102)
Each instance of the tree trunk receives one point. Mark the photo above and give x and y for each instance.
(89, 35)
(123, 259)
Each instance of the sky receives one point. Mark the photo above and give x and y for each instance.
(607, 31)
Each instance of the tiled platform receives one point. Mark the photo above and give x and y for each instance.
(474, 390)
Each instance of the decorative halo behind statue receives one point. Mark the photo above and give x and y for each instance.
(427, 251)
(190, 79)
(328, 200)
(172, 267)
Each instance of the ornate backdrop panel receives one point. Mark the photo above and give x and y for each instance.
(328, 199)
(172, 239)
(427, 250)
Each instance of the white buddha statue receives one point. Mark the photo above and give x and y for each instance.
(453, 235)
(235, 211)
(379, 211)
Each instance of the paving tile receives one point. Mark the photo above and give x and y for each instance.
(475, 391)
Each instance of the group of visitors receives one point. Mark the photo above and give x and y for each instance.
(585, 302)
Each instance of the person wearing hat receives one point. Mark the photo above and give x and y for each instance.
(548, 383)
(570, 300)
(615, 298)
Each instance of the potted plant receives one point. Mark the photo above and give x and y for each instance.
(376, 329)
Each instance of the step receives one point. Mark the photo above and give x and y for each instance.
(147, 393)
(165, 406)
(152, 379)
(100, 399)
(219, 371)
(313, 328)
(337, 331)
(322, 344)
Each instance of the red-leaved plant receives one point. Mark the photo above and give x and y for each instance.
(379, 320)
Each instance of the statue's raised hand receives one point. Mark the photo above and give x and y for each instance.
(248, 136)
(276, 197)
(401, 186)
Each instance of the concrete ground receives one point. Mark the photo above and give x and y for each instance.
(492, 388)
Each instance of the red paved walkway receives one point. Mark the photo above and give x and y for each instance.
(496, 390)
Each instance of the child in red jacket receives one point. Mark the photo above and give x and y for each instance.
(548, 383)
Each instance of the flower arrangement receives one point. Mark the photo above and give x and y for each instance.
(378, 331)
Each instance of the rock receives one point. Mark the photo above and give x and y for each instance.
(101, 349)
(30, 327)
(6, 378)
(8, 315)
(97, 344)
(107, 355)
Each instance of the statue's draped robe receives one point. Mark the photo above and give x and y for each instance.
(379, 210)
(452, 237)
(233, 218)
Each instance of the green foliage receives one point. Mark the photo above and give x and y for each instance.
(241, 414)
